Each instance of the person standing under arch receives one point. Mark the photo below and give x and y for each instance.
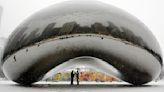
(72, 77)
(77, 77)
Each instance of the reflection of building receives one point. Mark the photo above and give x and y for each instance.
(85, 75)
(21, 39)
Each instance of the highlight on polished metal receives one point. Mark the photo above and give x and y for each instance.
(79, 28)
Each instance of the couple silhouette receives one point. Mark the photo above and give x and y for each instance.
(73, 74)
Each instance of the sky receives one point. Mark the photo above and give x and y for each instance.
(150, 12)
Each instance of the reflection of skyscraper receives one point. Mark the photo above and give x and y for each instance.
(67, 28)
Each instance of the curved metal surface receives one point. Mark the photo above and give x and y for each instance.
(84, 62)
(72, 29)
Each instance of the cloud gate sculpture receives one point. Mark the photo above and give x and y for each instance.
(74, 29)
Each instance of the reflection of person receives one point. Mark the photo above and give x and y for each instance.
(14, 57)
(72, 77)
(77, 77)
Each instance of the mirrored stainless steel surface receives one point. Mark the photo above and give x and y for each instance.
(73, 29)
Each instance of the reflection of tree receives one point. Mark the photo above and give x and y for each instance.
(19, 39)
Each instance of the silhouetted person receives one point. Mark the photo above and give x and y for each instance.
(77, 77)
(72, 77)
(14, 57)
